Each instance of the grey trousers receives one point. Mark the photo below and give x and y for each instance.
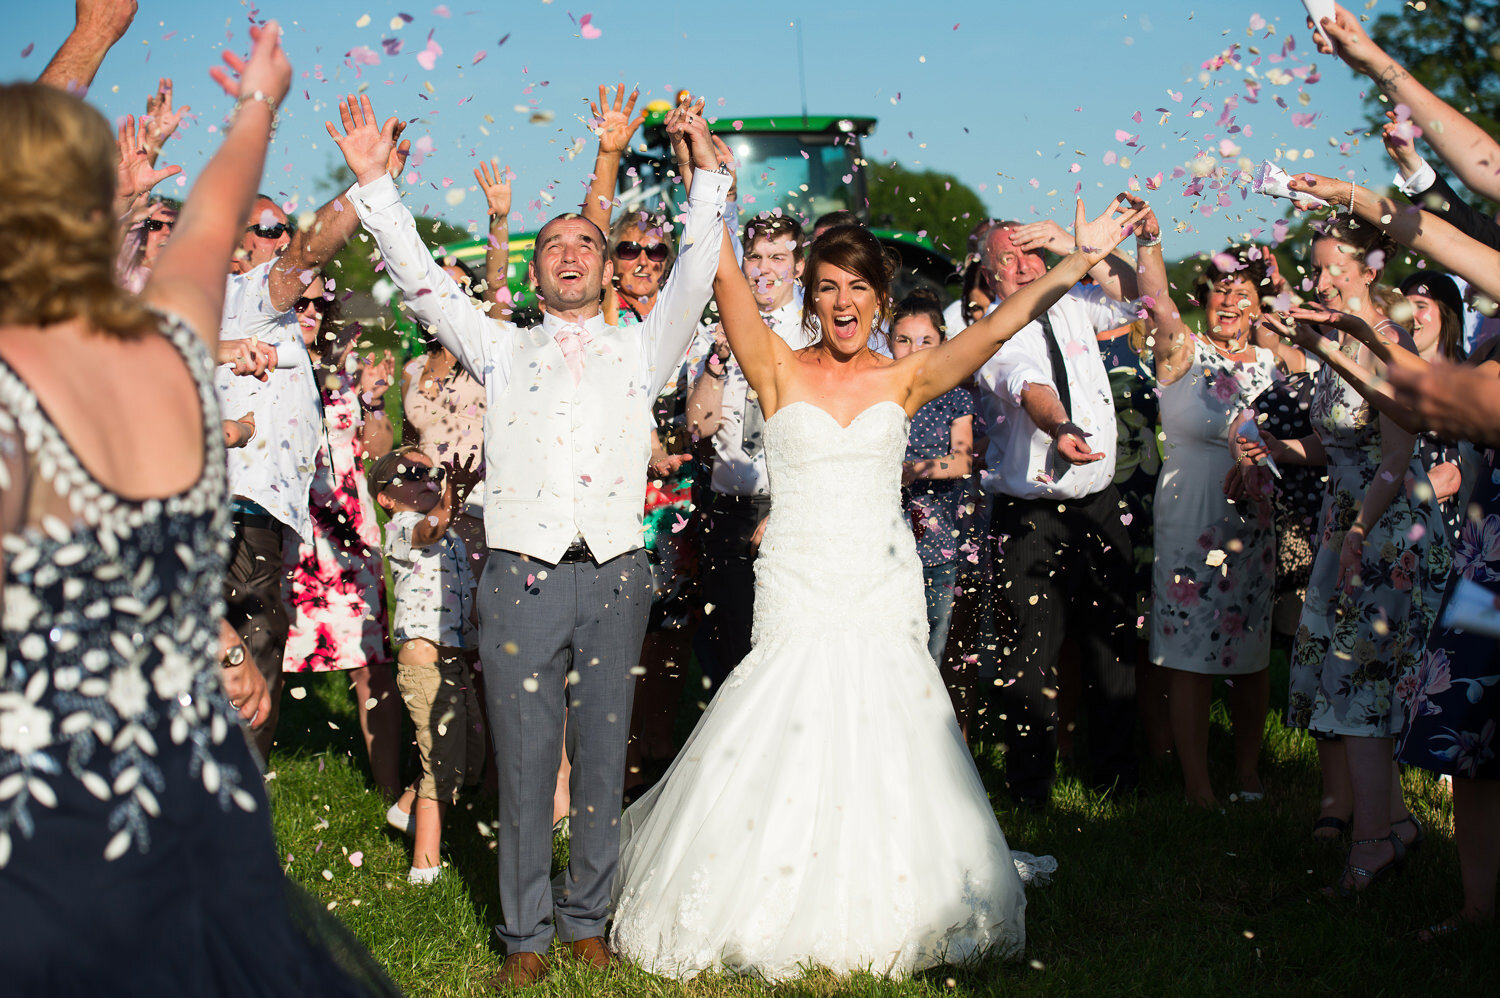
(541, 626)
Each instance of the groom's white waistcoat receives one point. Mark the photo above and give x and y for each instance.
(560, 460)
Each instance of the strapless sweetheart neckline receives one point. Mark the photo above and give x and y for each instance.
(843, 426)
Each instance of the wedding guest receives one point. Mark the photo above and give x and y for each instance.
(1373, 595)
(1437, 330)
(974, 297)
(143, 242)
(1062, 561)
(1211, 604)
(938, 456)
(578, 522)
(722, 407)
(432, 628)
(139, 858)
(337, 604)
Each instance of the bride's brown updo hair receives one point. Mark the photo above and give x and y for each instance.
(855, 249)
(58, 235)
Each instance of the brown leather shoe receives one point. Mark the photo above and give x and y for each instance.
(592, 951)
(518, 971)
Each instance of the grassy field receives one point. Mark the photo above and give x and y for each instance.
(1151, 898)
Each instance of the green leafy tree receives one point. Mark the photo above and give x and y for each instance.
(1453, 47)
(938, 203)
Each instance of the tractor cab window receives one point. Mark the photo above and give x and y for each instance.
(805, 174)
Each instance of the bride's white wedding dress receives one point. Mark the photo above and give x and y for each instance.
(825, 810)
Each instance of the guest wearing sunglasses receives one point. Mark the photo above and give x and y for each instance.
(143, 243)
(270, 478)
(642, 259)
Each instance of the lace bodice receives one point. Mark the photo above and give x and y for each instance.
(837, 551)
(111, 618)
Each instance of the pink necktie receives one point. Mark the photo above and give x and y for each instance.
(572, 339)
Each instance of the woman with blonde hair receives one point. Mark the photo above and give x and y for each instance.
(136, 853)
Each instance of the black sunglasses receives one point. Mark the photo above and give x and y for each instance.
(418, 473)
(318, 302)
(157, 224)
(656, 252)
(269, 231)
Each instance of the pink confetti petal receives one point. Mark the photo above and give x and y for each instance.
(586, 27)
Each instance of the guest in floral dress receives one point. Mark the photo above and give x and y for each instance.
(1381, 564)
(338, 581)
(1211, 605)
(939, 454)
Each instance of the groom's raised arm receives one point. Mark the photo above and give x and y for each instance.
(434, 299)
(670, 327)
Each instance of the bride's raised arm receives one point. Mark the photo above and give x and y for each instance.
(756, 349)
(945, 367)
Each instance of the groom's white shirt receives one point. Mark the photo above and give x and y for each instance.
(560, 461)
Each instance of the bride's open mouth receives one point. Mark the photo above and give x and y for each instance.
(845, 326)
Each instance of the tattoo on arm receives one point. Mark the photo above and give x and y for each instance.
(1390, 78)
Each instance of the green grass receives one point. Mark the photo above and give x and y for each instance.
(1151, 898)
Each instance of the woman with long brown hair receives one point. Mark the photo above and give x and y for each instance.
(827, 784)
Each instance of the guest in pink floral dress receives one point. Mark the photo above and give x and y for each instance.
(338, 581)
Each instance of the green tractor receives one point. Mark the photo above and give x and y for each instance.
(805, 165)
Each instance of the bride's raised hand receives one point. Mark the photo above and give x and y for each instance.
(1098, 237)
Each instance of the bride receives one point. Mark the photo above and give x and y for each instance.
(825, 811)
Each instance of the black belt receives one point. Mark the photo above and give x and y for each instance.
(263, 521)
(577, 551)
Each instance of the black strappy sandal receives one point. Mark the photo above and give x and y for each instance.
(1419, 838)
(1341, 889)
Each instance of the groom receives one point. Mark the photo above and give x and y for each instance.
(565, 593)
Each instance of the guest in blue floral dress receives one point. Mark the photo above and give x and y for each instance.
(1452, 705)
(1382, 561)
(938, 457)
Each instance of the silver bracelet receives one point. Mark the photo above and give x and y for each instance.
(1144, 243)
(251, 98)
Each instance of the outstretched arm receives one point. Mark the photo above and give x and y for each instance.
(669, 329)
(1437, 240)
(495, 182)
(312, 247)
(135, 175)
(945, 366)
(1171, 343)
(1455, 401)
(97, 26)
(1114, 273)
(1467, 149)
(189, 275)
(1398, 351)
(434, 299)
(614, 126)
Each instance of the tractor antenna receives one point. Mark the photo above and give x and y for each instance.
(801, 74)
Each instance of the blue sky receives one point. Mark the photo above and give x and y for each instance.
(1000, 94)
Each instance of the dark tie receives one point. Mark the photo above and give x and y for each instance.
(1059, 369)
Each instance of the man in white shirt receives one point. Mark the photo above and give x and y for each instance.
(722, 406)
(566, 589)
(1063, 559)
(270, 477)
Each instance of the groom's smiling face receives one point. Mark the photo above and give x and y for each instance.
(568, 267)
